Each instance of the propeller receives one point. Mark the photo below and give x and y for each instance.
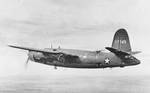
(51, 46)
(26, 63)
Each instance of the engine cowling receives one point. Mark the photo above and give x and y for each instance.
(31, 55)
(35, 56)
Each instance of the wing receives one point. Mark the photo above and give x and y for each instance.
(36, 50)
(43, 51)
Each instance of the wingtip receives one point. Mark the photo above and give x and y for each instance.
(135, 52)
(13, 46)
(10, 45)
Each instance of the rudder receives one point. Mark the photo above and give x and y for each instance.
(121, 41)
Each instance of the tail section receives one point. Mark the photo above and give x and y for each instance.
(121, 41)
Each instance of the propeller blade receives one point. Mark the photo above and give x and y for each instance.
(26, 64)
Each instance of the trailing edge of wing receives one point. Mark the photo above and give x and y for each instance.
(34, 49)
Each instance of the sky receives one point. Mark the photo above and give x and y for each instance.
(77, 24)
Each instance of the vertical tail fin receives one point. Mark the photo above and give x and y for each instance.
(121, 41)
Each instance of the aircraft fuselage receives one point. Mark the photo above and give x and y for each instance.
(84, 59)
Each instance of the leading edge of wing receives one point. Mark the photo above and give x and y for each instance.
(34, 49)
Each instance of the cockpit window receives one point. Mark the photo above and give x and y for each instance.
(132, 57)
(98, 51)
(128, 56)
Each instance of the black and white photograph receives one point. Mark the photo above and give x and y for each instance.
(74, 46)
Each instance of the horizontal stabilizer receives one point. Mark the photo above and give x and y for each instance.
(117, 52)
(135, 52)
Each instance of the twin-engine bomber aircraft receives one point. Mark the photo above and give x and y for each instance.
(120, 55)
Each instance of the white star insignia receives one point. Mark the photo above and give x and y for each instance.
(107, 60)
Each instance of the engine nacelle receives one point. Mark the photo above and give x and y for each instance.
(34, 56)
